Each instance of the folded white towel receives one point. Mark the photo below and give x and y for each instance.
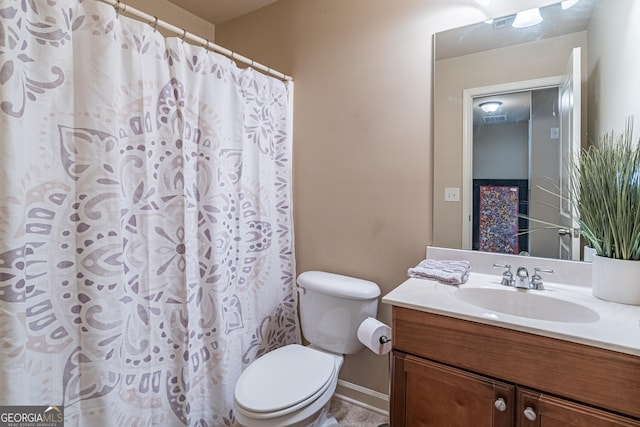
(447, 272)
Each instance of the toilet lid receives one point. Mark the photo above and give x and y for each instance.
(283, 378)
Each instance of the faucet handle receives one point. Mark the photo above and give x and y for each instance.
(536, 279)
(507, 275)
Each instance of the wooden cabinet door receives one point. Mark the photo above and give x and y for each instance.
(428, 394)
(547, 411)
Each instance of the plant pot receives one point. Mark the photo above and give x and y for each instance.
(616, 280)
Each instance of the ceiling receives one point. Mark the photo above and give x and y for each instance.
(516, 107)
(220, 11)
(499, 33)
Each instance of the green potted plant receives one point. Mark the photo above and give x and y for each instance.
(607, 198)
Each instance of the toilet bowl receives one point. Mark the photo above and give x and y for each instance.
(291, 386)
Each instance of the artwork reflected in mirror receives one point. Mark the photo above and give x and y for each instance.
(500, 215)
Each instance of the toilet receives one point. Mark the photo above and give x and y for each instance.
(292, 386)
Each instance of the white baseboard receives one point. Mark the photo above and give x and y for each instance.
(362, 396)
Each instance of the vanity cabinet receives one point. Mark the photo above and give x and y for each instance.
(452, 372)
(539, 410)
(433, 394)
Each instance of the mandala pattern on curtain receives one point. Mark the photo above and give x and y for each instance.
(146, 241)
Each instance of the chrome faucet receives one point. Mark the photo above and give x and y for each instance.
(522, 278)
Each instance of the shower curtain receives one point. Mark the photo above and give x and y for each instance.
(146, 241)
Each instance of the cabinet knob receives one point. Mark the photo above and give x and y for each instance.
(530, 414)
(500, 405)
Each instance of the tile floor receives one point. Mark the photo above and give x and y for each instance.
(350, 415)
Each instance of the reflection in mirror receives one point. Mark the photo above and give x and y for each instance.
(504, 155)
(499, 158)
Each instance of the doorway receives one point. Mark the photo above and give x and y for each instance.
(515, 149)
(512, 153)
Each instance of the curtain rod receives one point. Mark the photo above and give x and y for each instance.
(184, 34)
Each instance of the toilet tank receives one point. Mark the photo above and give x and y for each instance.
(332, 307)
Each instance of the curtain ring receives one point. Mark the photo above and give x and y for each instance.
(206, 46)
(117, 8)
(184, 34)
(155, 24)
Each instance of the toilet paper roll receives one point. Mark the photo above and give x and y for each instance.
(375, 335)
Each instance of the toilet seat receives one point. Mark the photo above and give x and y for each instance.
(283, 381)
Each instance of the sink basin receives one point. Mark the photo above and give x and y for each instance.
(529, 304)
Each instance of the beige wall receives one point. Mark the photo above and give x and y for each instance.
(175, 15)
(614, 67)
(362, 131)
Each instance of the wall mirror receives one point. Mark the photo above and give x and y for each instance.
(512, 106)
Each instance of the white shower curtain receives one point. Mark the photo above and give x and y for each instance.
(146, 241)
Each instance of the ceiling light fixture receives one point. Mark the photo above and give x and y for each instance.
(527, 18)
(568, 3)
(490, 106)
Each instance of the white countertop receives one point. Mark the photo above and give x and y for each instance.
(617, 329)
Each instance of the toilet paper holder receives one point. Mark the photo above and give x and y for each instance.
(375, 335)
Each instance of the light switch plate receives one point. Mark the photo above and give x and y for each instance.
(452, 194)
